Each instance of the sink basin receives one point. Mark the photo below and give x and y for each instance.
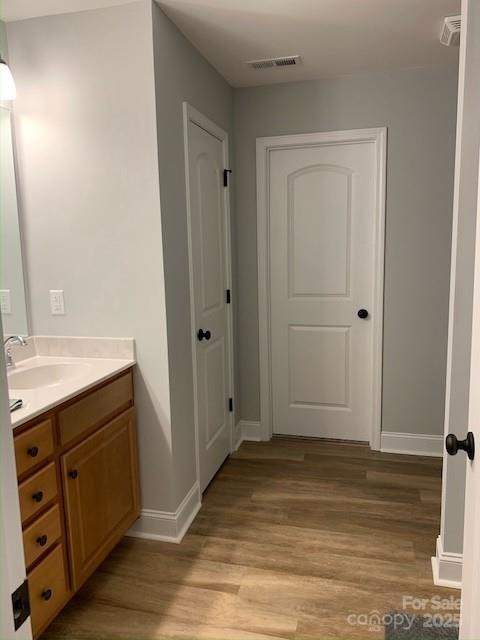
(48, 375)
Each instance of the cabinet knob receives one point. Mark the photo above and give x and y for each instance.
(42, 540)
(33, 452)
(47, 594)
(38, 496)
(73, 474)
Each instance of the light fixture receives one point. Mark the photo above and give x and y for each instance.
(7, 83)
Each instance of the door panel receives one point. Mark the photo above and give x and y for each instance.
(101, 493)
(209, 272)
(322, 215)
(311, 383)
(210, 222)
(319, 231)
(215, 391)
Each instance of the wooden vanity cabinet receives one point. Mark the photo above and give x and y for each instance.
(78, 489)
(101, 493)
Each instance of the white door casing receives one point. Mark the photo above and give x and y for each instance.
(470, 614)
(206, 157)
(321, 201)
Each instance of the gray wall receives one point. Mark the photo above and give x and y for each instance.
(181, 73)
(105, 210)
(88, 175)
(419, 108)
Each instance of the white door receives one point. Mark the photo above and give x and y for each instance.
(470, 615)
(12, 564)
(210, 275)
(323, 206)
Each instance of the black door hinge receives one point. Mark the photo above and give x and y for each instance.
(20, 605)
(230, 404)
(228, 296)
(225, 176)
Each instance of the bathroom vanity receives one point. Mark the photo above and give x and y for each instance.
(77, 472)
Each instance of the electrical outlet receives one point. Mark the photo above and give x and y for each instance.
(5, 302)
(57, 302)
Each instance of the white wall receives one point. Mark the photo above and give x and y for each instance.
(419, 108)
(88, 173)
(181, 73)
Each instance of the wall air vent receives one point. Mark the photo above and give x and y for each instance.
(269, 63)
(450, 35)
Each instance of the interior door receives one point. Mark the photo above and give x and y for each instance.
(210, 282)
(322, 255)
(470, 615)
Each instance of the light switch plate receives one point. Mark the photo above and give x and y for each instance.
(57, 302)
(5, 302)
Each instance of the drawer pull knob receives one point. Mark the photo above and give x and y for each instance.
(38, 496)
(73, 474)
(42, 540)
(33, 452)
(47, 594)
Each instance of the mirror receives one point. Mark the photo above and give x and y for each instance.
(12, 281)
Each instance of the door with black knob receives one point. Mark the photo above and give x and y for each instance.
(210, 281)
(100, 492)
(324, 275)
(470, 613)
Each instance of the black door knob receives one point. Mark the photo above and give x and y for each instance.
(33, 452)
(38, 496)
(73, 474)
(47, 594)
(362, 313)
(203, 335)
(453, 445)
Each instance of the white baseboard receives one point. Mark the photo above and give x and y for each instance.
(416, 444)
(447, 568)
(252, 431)
(168, 526)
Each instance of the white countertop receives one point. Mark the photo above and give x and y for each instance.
(38, 400)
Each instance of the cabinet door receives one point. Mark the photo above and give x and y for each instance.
(100, 478)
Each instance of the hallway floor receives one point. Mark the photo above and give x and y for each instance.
(294, 536)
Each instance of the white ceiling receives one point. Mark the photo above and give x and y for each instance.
(334, 37)
(11, 10)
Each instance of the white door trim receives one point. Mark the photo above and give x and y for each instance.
(190, 114)
(264, 147)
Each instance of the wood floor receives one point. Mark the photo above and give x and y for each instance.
(292, 538)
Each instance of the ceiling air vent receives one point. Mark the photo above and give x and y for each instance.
(268, 63)
(450, 35)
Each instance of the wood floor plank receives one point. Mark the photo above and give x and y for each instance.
(293, 537)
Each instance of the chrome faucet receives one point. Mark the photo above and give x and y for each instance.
(8, 352)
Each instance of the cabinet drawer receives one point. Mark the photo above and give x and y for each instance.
(95, 408)
(48, 591)
(37, 491)
(33, 446)
(42, 535)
